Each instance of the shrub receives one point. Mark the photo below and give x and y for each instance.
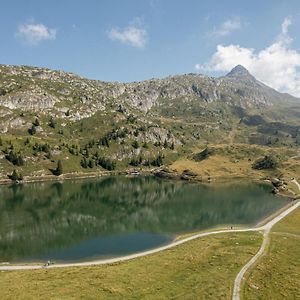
(15, 159)
(104, 142)
(136, 161)
(267, 162)
(106, 163)
(157, 162)
(203, 154)
(84, 162)
(59, 169)
(36, 122)
(135, 145)
(52, 123)
(32, 130)
(131, 119)
(91, 164)
(15, 176)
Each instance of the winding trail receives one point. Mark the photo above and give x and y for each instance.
(266, 231)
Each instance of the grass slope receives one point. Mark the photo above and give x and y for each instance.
(277, 276)
(236, 161)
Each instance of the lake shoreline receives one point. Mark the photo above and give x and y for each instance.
(171, 175)
(66, 206)
(152, 172)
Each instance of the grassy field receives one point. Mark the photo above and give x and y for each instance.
(202, 269)
(277, 276)
(236, 161)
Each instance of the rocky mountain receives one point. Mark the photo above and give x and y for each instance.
(241, 76)
(72, 114)
(31, 88)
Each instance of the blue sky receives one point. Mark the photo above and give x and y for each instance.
(132, 40)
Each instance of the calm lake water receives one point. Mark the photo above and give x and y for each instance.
(113, 216)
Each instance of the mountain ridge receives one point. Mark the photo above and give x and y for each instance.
(143, 94)
(236, 72)
(47, 115)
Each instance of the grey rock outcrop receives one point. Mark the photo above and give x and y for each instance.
(39, 89)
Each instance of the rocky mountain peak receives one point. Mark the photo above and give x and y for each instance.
(238, 72)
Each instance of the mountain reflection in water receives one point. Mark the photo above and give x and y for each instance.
(82, 219)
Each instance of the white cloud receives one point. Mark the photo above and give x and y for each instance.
(226, 28)
(277, 65)
(285, 25)
(33, 33)
(133, 35)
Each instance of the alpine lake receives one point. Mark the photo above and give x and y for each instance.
(81, 220)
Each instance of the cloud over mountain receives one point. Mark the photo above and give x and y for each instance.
(277, 65)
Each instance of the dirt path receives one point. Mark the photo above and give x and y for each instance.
(266, 228)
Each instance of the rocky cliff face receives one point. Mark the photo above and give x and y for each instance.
(35, 89)
(72, 98)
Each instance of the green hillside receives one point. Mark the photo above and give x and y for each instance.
(93, 126)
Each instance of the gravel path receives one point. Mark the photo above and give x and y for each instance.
(266, 228)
